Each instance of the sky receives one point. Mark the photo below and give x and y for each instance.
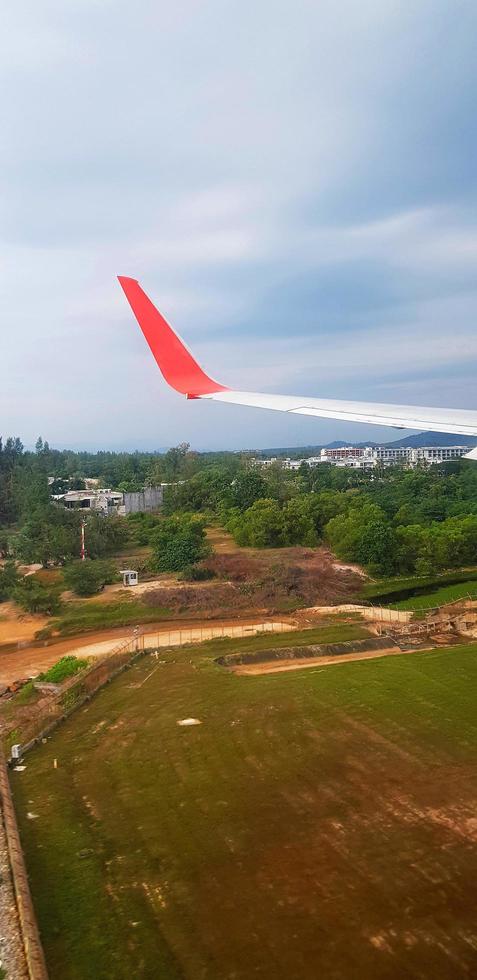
(294, 185)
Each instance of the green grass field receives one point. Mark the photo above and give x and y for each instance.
(448, 593)
(317, 824)
(81, 617)
(389, 590)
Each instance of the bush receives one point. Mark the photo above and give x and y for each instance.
(89, 577)
(9, 579)
(37, 598)
(197, 573)
(178, 543)
(261, 526)
(142, 526)
(65, 667)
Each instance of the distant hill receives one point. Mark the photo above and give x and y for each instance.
(414, 442)
(433, 439)
(338, 443)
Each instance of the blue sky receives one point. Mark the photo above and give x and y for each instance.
(293, 184)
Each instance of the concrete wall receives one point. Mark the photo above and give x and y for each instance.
(26, 913)
(143, 500)
(378, 614)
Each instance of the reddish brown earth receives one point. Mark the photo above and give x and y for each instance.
(23, 663)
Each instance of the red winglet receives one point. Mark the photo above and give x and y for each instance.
(178, 366)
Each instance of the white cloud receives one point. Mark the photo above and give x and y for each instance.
(219, 152)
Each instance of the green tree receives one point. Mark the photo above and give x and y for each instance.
(105, 535)
(11, 456)
(344, 532)
(142, 526)
(35, 597)
(207, 490)
(248, 487)
(377, 547)
(178, 542)
(281, 484)
(88, 577)
(299, 516)
(410, 545)
(9, 579)
(49, 536)
(261, 526)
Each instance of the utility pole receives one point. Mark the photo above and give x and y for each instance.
(83, 549)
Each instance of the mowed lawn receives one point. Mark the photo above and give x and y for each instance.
(317, 824)
(448, 593)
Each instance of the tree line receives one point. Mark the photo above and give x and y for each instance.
(392, 521)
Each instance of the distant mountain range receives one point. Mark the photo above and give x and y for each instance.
(414, 442)
(434, 439)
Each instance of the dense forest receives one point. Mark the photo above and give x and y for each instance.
(393, 521)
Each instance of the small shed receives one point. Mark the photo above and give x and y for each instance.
(130, 577)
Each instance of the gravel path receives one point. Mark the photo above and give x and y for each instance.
(11, 946)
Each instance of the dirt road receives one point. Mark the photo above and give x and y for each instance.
(31, 661)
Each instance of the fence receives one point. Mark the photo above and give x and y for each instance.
(34, 722)
(200, 634)
(380, 613)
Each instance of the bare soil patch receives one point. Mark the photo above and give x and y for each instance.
(17, 626)
(276, 667)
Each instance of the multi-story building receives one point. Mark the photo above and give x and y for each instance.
(387, 455)
(341, 453)
(437, 454)
(366, 457)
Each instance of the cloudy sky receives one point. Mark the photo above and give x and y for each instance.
(294, 184)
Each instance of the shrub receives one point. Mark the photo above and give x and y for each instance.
(238, 567)
(142, 526)
(261, 526)
(178, 543)
(197, 573)
(207, 600)
(65, 667)
(37, 598)
(9, 579)
(89, 577)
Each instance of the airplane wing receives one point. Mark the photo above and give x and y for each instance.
(182, 372)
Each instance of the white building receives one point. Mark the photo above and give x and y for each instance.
(366, 457)
(387, 455)
(103, 501)
(437, 454)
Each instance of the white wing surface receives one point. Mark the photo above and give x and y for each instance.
(183, 373)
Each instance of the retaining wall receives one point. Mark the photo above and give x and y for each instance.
(379, 614)
(29, 929)
(308, 652)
